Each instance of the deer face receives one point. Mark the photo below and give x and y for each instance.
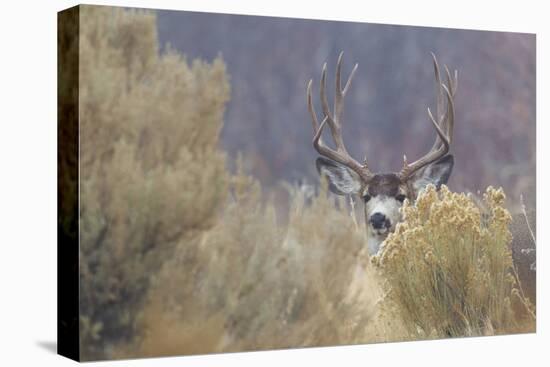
(383, 194)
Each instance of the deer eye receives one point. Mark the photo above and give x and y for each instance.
(366, 197)
(400, 197)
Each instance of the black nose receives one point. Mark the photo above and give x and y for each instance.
(378, 220)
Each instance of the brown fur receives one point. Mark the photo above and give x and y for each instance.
(384, 184)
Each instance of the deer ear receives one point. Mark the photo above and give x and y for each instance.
(342, 180)
(436, 173)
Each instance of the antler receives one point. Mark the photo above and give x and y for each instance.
(334, 122)
(443, 124)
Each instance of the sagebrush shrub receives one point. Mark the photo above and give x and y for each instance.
(263, 284)
(152, 173)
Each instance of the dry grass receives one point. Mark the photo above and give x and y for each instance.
(524, 247)
(449, 268)
(270, 285)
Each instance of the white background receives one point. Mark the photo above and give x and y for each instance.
(28, 181)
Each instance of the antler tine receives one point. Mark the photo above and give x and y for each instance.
(334, 127)
(443, 122)
(318, 143)
(311, 108)
(438, 94)
(445, 137)
(452, 84)
(450, 115)
(341, 154)
(339, 92)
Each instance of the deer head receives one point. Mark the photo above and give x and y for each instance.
(382, 193)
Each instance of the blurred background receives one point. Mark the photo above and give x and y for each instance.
(270, 60)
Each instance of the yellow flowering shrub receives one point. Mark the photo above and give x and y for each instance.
(448, 267)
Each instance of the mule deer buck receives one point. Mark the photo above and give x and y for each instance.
(382, 193)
